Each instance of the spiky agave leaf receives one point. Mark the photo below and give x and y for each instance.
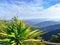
(16, 32)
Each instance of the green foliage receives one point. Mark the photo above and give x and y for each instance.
(15, 32)
(55, 38)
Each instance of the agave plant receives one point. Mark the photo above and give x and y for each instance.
(15, 32)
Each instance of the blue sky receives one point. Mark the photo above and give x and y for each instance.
(30, 9)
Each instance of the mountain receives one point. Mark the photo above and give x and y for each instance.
(46, 24)
(49, 34)
(34, 21)
(51, 28)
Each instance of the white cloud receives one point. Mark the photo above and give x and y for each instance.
(52, 12)
(23, 11)
(30, 11)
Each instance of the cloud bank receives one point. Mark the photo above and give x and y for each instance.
(30, 9)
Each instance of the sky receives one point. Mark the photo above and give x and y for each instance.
(30, 9)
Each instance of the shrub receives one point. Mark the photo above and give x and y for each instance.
(15, 32)
(55, 38)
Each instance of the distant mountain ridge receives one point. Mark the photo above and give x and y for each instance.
(34, 21)
(46, 23)
(51, 27)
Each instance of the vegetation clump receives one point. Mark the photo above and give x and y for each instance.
(55, 38)
(15, 32)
